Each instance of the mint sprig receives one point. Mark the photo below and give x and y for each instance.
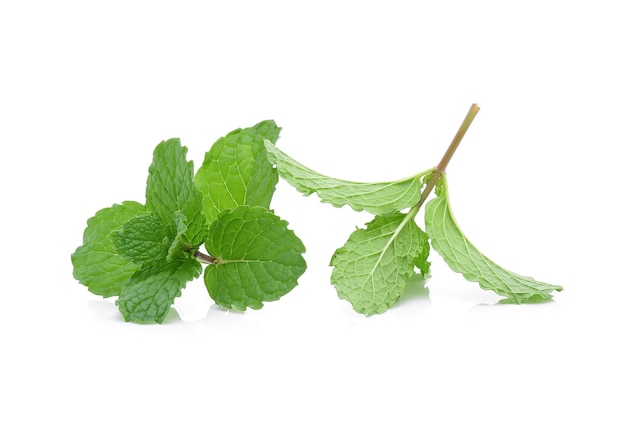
(374, 266)
(146, 254)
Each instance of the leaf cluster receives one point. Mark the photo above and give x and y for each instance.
(372, 269)
(146, 253)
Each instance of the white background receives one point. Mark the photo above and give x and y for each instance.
(363, 90)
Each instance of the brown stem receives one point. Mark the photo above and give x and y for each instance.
(203, 257)
(441, 167)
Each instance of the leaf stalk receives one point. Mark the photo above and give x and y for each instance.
(441, 167)
(204, 258)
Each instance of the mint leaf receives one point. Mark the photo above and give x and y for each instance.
(142, 240)
(462, 257)
(97, 264)
(170, 189)
(258, 258)
(374, 266)
(149, 293)
(375, 198)
(181, 242)
(236, 172)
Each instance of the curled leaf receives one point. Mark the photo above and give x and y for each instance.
(376, 198)
(462, 257)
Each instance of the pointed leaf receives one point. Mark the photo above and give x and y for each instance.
(170, 189)
(462, 257)
(259, 258)
(375, 198)
(150, 292)
(236, 171)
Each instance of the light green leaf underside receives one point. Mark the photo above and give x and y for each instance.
(171, 189)
(259, 258)
(462, 257)
(236, 171)
(150, 292)
(97, 264)
(375, 198)
(374, 266)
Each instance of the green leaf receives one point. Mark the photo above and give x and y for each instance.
(181, 243)
(171, 189)
(258, 258)
(462, 257)
(142, 240)
(236, 172)
(375, 198)
(97, 264)
(150, 292)
(374, 266)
